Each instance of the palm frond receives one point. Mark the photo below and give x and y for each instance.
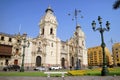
(116, 5)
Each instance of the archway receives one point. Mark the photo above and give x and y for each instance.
(63, 62)
(16, 62)
(72, 60)
(79, 63)
(38, 61)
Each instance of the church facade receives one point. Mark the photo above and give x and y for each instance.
(46, 49)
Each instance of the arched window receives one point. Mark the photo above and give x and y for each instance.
(17, 52)
(42, 32)
(2, 38)
(52, 45)
(51, 31)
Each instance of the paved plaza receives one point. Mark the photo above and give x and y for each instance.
(63, 78)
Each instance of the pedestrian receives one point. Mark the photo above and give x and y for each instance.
(70, 67)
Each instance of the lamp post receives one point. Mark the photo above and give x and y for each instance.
(75, 17)
(104, 71)
(77, 51)
(25, 44)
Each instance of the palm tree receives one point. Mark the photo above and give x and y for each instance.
(116, 5)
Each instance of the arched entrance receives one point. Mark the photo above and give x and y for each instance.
(38, 61)
(16, 62)
(79, 63)
(63, 62)
(72, 60)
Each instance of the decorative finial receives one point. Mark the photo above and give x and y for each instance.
(49, 8)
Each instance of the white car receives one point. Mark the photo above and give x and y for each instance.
(55, 68)
(39, 69)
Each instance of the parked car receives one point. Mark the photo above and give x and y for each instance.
(11, 67)
(55, 68)
(39, 68)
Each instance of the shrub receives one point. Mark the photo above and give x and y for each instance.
(77, 72)
(90, 67)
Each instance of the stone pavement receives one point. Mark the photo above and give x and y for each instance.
(63, 78)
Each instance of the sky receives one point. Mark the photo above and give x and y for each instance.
(27, 14)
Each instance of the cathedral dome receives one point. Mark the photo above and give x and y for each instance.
(49, 9)
(48, 17)
(79, 30)
(78, 26)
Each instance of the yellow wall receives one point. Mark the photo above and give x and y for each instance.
(116, 53)
(95, 56)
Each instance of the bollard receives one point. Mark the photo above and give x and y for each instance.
(62, 75)
(48, 75)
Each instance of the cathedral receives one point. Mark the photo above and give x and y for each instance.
(46, 49)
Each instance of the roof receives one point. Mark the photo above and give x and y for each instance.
(63, 41)
(5, 54)
(5, 34)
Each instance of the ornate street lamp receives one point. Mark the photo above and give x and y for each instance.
(77, 52)
(104, 71)
(75, 17)
(25, 44)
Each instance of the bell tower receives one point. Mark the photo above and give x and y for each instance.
(48, 24)
(48, 29)
(81, 47)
